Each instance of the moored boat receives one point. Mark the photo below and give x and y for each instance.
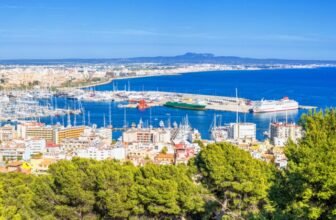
(184, 105)
(284, 104)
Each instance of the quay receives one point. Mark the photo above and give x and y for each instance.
(159, 98)
(307, 107)
(148, 99)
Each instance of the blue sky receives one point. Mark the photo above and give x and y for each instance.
(302, 29)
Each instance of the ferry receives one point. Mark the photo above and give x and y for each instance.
(284, 104)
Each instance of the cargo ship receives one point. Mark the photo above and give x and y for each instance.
(284, 104)
(183, 105)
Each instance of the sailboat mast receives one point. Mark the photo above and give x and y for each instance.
(150, 118)
(125, 122)
(110, 115)
(69, 120)
(75, 120)
(83, 119)
(89, 121)
(237, 105)
(214, 121)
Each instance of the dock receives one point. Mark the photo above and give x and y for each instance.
(307, 107)
(159, 98)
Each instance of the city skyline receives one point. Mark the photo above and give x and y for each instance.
(104, 29)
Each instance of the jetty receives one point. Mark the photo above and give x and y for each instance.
(307, 107)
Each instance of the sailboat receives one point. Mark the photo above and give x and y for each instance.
(219, 132)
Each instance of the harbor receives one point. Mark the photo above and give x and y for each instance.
(147, 99)
(89, 106)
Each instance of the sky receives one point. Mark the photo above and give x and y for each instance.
(46, 29)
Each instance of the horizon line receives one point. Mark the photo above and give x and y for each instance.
(164, 56)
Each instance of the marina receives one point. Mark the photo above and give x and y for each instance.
(18, 105)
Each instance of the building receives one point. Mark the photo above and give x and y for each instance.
(102, 153)
(280, 133)
(242, 131)
(7, 133)
(105, 134)
(13, 150)
(184, 151)
(34, 146)
(164, 159)
(33, 129)
(41, 165)
(146, 136)
(17, 167)
(67, 133)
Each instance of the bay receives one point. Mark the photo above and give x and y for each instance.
(314, 87)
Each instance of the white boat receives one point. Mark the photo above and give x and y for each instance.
(284, 104)
(4, 99)
(219, 132)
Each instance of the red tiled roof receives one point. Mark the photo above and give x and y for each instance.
(51, 144)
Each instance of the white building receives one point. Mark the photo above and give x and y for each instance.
(242, 131)
(13, 150)
(280, 133)
(105, 133)
(36, 145)
(101, 154)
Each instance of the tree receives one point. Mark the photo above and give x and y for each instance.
(16, 197)
(116, 190)
(74, 183)
(307, 188)
(239, 183)
(168, 191)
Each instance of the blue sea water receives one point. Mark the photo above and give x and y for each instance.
(315, 87)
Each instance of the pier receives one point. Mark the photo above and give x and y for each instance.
(159, 98)
(307, 107)
(220, 103)
(132, 99)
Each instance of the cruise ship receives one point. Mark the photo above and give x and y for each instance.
(284, 104)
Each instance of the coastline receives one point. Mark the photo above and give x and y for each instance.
(183, 72)
(128, 77)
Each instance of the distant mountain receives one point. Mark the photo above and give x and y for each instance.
(211, 58)
(187, 58)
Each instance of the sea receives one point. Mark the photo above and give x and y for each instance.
(310, 87)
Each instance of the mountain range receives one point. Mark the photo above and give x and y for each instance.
(187, 58)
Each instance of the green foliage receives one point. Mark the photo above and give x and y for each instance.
(89, 189)
(164, 150)
(16, 197)
(168, 191)
(116, 190)
(239, 183)
(307, 189)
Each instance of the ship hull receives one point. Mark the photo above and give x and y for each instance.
(185, 106)
(274, 110)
